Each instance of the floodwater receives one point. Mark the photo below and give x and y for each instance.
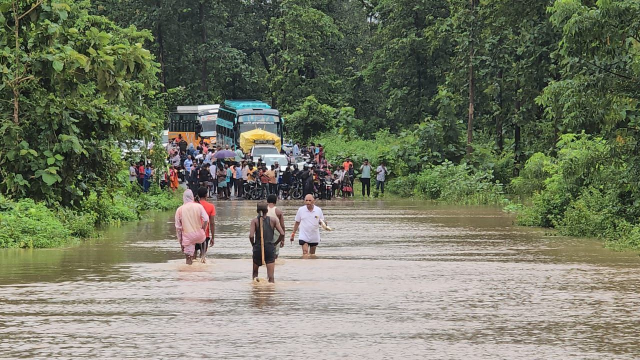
(393, 280)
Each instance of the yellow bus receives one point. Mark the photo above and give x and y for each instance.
(191, 121)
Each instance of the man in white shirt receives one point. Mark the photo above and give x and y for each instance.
(132, 173)
(208, 157)
(212, 170)
(381, 173)
(308, 220)
(338, 176)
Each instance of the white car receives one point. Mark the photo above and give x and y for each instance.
(301, 161)
(260, 151)
(272, 159)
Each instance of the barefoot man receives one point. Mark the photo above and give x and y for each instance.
(261, 238)
(274, 212)
(308, 220)
(191, 220)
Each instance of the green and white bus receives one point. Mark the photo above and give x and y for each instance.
(240, 116)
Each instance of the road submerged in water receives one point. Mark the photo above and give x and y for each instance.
(395, 279)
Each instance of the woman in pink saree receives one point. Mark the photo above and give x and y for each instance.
(191, 220)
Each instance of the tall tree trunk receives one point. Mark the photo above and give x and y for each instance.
(472, 4)
(16, 76)
(19, 68)
(516, 135)
(163, 78)
(204, 70)
(499, 120)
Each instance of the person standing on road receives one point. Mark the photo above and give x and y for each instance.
(274, 212)
(187, 163)
(365, 177)
(147, 178)
(239, 155)
(338, 176)
(173, 178)
(191, 219)
(141, 170)
(271, 174)
(132, 172)
(229, 178)
(381, 172)
(263, 247)
(238, 180)
(308, 220)
(221, 175)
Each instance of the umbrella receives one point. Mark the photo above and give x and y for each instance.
(223, 154)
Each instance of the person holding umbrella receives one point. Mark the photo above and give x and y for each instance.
(224, 154)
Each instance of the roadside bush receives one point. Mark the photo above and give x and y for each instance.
(623, 236)
(403, 186)
(590, 215)
(81, 225)
(33, 225)
(450, 183)
(595, 214)
(582, 162)
(485, 157)
(111, 210)
(158, 199)
(548, 206)
(536, 170)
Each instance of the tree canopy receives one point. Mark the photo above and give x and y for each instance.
(510, 76)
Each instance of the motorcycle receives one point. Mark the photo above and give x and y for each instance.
(328, 188)
(284, 188)
(297, 189)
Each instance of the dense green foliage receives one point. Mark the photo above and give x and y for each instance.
(456, 96)
(28, 224)
(73, 85)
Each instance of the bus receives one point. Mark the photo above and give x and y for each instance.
(192, 121)
(236, 117)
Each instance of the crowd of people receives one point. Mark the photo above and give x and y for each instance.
(238, 177)
(226, 174)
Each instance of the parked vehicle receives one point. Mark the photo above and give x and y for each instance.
(262, 150)
(272, 159)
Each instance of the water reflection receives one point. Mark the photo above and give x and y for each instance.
(393, 280)
(262, 295)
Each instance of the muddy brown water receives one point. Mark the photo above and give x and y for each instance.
(395, 279)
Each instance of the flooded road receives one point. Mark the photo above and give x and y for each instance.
(393, 280)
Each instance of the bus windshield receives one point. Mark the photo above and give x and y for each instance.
(272, 128)
(208, 125)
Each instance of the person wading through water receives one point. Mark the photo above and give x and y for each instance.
(274, 212)
(308, 219)
(264, 252)
(191, 220)
(210, 231)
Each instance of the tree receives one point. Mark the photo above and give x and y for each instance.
(410, 59)
(85, 85)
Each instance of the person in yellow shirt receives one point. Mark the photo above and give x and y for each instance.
(251, 176)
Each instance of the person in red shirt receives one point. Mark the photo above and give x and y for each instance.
(141, 173)
(210, 231)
